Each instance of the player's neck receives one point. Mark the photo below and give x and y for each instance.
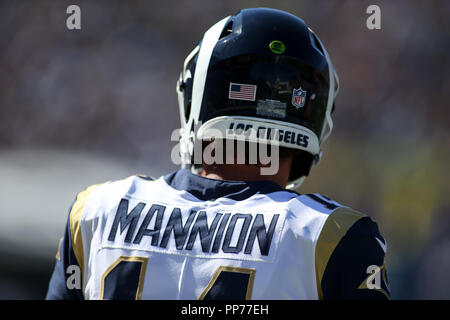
(242, 172)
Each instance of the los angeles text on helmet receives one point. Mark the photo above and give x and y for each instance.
(239, 132)
(268, 133)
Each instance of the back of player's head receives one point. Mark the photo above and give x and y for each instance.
(261, 75)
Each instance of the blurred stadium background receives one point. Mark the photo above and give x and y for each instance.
(82, 107)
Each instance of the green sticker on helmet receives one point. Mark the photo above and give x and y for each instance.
(277, 47)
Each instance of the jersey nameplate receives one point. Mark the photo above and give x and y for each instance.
(193, 231)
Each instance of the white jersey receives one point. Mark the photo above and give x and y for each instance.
(183, 236)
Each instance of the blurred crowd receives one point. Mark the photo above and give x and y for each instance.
(109, 90)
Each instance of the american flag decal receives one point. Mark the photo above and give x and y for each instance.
(240, 91)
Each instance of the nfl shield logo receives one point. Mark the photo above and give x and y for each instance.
(298, 97)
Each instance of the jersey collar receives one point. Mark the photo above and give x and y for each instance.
(210, 189)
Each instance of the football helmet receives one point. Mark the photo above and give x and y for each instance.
(263, 69)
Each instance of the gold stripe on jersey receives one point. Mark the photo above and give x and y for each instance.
(58, 253)
(334, 229)
(250, 272)
(142, 260)
(75, 224)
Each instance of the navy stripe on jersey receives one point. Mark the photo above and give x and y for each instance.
(326, 204)
(210, 189)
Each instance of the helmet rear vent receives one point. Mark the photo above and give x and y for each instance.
(227, 30)
(316, 43)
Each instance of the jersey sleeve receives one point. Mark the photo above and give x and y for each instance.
(66, 280)
(350, 258)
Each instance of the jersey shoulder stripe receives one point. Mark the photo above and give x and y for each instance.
(347, 243)
(75, 216)
(85, 209)
(336, 226)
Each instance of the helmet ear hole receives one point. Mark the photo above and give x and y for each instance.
(187, 111)
(187, 87)
(316, 42)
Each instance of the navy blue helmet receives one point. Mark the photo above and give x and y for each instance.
(262, 69)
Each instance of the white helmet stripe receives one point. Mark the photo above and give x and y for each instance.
(201, 69)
